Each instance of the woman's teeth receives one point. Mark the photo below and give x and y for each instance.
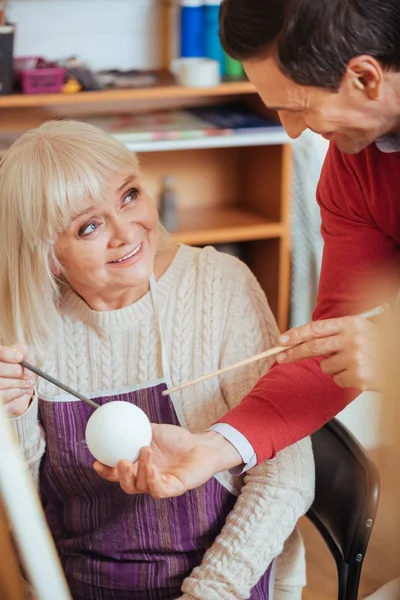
(135, 251)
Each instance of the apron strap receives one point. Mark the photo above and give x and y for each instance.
(164, 358)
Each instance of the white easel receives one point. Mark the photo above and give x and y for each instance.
(27, 525)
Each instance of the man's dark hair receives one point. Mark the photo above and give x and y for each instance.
(315, 39)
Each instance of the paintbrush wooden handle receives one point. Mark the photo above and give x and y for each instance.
(242, 363)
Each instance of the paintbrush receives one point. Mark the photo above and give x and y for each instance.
(379, 310)
(57, 383)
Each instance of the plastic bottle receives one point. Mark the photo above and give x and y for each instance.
(168, 204)
(212, 45)
(234, 68)
(192, 28)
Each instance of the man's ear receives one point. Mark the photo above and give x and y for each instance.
(365, 74)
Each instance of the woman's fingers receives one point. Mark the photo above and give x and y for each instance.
(109, 473)
(18, 406)
(127, 476)
(156, 485)
(13, 371)
(145, 458)
(9, 367)
(10, 395)
(21, 384)
(12, 354)
(162, 486)
(16, 383)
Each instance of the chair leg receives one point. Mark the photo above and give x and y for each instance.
(342, 581)
(353, 581)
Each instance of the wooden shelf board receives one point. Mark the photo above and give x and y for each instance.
(158, 92)
(274, 137)
(220, 225)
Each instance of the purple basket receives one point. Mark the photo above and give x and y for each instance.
(48, 80)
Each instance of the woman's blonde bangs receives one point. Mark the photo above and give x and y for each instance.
(62, 166)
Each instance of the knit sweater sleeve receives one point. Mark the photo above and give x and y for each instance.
(30, 435)
(294, 400)
(276, 493)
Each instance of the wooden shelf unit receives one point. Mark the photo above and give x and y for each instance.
(230, 192)
(157, 92)
(202, 226)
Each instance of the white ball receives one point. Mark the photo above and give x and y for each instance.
(117, 431)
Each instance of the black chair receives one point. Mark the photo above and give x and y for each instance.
(346, 501)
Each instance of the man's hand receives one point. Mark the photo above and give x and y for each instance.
(176, 462)
(350, 345)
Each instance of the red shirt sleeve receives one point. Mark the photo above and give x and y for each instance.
(292, 401)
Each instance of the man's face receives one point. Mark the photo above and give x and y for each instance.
(354, 117)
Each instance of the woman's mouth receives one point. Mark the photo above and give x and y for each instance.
(128, 258)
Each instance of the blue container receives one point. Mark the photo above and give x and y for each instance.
(192, 28)
(212, 45)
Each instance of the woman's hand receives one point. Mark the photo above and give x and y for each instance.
(16, 383)
(350, 345)
(176, 462)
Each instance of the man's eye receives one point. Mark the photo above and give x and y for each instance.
(131, 196)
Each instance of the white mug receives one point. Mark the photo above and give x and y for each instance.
(196, 72)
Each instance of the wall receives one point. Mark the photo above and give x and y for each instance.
(364, 419)
(106, 33)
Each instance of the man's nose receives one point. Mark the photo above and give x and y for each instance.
(294, 124)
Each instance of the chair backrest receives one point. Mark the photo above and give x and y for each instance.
(346, 501)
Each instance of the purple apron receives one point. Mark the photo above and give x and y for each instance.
(119, 547)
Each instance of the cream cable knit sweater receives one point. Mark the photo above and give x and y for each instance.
(213, 314)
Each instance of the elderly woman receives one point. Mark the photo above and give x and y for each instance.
(93, 290)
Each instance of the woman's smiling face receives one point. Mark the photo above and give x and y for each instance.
(107, 252)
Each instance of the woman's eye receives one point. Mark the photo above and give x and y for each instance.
(131, 196)
(87, 229)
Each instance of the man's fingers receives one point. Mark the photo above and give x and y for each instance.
(313, 330)
(335, 364)
(346, 379)
(312, 349)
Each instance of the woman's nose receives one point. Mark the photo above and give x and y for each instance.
(293, 123)
(123, 231)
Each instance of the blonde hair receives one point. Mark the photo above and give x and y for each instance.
(44, 178)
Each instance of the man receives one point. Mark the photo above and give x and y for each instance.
(332, 66)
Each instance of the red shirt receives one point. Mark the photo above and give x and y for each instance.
(359, 197)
